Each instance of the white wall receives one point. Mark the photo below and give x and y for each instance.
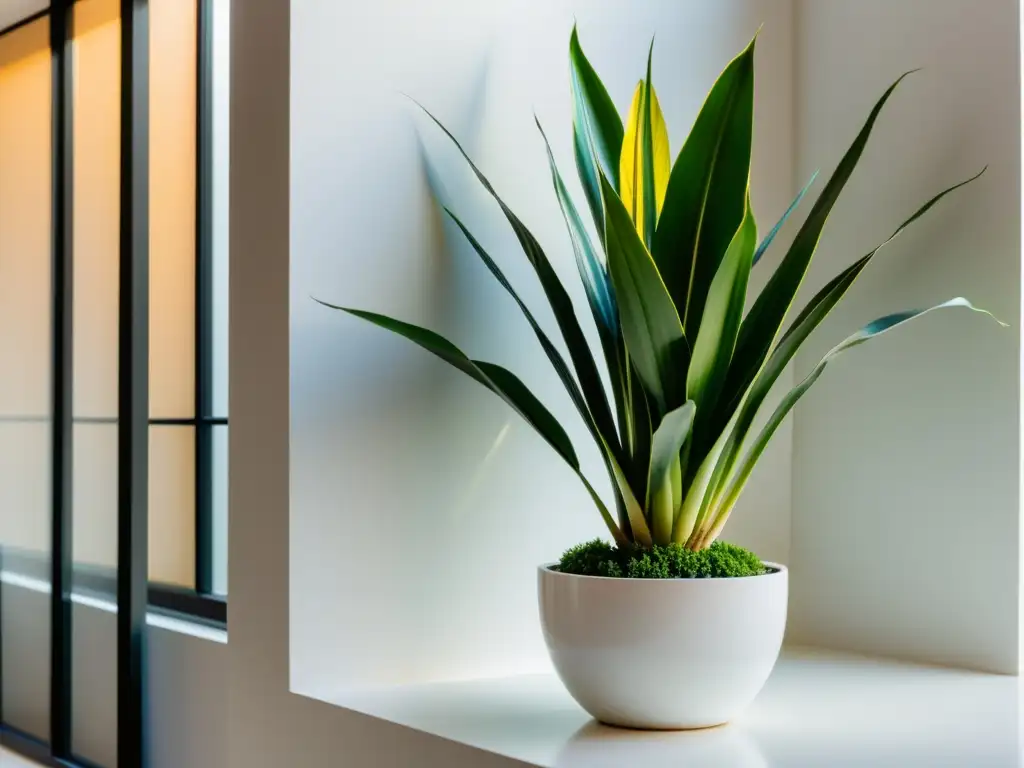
(906, 457)
(403, 472)
(269, 727)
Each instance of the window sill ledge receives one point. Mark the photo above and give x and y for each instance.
(818, 708)
(153, 619)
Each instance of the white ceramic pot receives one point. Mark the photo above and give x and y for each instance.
(663, 653)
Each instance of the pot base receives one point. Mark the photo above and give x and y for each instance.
(625, 726)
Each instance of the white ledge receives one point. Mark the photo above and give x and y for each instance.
(170, 623)
(818, 709)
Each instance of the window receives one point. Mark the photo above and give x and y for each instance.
(188, 295)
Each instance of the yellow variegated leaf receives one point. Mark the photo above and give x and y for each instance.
(631, 160)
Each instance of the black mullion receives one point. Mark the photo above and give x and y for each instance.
(133, 386)
(204, 298)
(62, 170)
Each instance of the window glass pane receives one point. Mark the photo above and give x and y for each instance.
(172, 203)
(221, 166)
(97, 114)
(94, 516)
(25, 382)
(172, 503)
(220, 510)
(96, 242)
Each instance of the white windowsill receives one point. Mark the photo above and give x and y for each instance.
(818, 709)
(152, 619)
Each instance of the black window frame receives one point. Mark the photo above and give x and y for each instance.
(200, 603)
(127, 585)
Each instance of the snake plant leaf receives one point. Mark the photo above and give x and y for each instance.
(665, 447)
(762, 323)
(596, 283)
(500, 381)
(720, 324)
(559, 301)
(650, 324)
(698, 494)
(620, 537)
(651, 168)
(640, 430)
(634, 512)
(871, 330)
(589, 262)
(810, 318)
(553, 355)
(706, 194)
(597, 129)
(645, 143)
(766, 243)
(611, 452)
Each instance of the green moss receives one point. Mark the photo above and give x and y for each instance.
(720, 560)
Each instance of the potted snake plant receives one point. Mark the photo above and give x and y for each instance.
(664, 625)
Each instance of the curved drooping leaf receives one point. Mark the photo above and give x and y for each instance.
(868, 332)
(591, 266)
(597, 129)
(632, 178)
(766, 243)
(665, 447)
(501, 382)
(634, 512)
(620, 537)
(553, 355)
(723, 312)
(559, 301)
(761, 325)
(597, 286)
(650, 324)
(812, 315)
(707, 190)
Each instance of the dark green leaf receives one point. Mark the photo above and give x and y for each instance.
(561, 306)
(650, 323)
(597, 129)
(723, 313)
(868, 332)
(650, 207)
(707, 191)
(592, 270)
(500, 381)
(762, 323)
(553, 355)
(596, 284)
(812, 315)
